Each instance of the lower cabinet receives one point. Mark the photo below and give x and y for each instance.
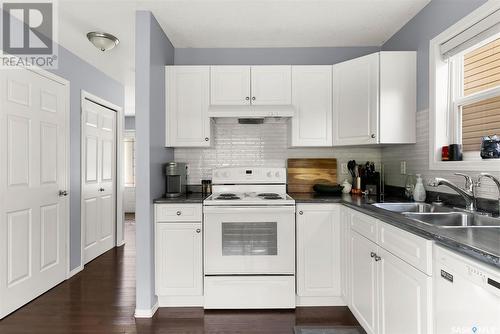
(179, 263)
(387, 295)
(318, 254)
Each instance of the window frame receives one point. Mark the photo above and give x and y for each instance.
(443, 106)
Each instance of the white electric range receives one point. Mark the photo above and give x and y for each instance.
(249, 240)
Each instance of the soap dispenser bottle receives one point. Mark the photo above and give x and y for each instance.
(419, 191)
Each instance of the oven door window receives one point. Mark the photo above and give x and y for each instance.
(249, 239)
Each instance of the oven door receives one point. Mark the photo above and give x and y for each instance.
(249, 240)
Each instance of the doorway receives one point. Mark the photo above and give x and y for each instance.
(99, 155)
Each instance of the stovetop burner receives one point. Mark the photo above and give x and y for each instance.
(268, 195)
(272, 197)
(227, 196)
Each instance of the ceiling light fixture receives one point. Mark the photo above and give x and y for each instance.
(103, 41)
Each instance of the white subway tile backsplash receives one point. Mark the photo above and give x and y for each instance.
(260, 145)
(417, 158)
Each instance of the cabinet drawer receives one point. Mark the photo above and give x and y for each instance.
(178, 212)
(364, 225)
(412, 249)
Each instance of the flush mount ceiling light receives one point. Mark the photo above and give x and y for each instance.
(103, 41)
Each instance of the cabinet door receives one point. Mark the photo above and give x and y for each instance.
(405, 297)
(312, 100)
(318, 250)
(187, 101)
(364, 304)
(356, 101)
(230, 85)
(179, 259)
(345, 254)
(271, 85)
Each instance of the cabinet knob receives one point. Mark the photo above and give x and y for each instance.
(253, 98)
(101, 189)
(372, 254)
(247, 98)
(377, 258)
(301, 213)
(206, 138)
(198, 230)
(179, 213)
(373, 135)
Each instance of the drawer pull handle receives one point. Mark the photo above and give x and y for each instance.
(198, 230)
(372, 254)
(179, 213)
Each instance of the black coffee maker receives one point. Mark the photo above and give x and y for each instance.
(176, 183)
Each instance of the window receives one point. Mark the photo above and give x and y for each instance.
(465, 89)
(476, 100)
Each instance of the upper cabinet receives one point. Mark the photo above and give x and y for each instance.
(374, 99)
(256, 85)
(312, 100)
(230, 85)
(271, 85)
(187, 102)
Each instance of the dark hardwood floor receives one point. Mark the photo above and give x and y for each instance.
(101, 299)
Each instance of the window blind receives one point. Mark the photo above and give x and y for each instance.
(485, 28)
(478, 120)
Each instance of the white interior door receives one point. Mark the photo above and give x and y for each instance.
(98, 179)
(33, 215)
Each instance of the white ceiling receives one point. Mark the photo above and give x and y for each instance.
(229, 24)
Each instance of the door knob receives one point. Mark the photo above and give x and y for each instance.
(63, 193)
(101, 189)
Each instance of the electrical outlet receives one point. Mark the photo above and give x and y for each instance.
(344, 169)
(403, 167)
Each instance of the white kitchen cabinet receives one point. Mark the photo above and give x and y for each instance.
(364, 301)
(318, 252)
(345, 254)
(390, 291)
(230, 85)
(256, 85)
(374, 99)
(179, 259)
(187, 102)
(311, 124)
(405, 293)
(271, 85)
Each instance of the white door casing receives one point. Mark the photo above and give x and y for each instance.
(34, 216)
(98, 179)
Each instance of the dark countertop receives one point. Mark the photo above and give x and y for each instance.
(187, 198)
(480, 243)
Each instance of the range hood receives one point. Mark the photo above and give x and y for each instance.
(251, 111)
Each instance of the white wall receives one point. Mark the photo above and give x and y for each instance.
(259, 145)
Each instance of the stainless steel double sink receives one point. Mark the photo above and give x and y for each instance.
(440, 216)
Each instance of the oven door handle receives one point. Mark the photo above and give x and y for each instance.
(244, 209)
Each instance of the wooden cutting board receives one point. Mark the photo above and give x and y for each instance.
(303, 174)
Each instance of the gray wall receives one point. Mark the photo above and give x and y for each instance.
(82, 76)
(153, 51)
(432, 20)
(129, 123)
(269, 56)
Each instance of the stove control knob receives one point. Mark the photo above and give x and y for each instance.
(269, 174)
(225, 174)
(277, 174)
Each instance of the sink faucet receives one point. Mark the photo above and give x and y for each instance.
(494, 179)
(467, 193)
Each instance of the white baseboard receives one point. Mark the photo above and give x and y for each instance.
(120, 243)
(75, 271)
(180, 301)
(146, 313)
(320, 301)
